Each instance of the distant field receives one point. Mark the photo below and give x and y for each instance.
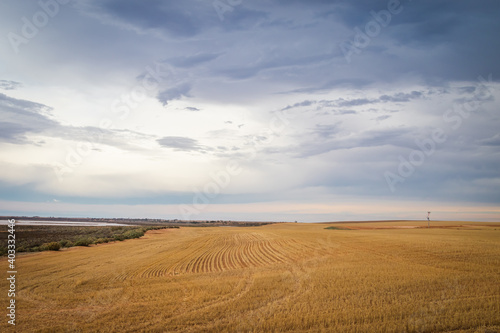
(355, 277)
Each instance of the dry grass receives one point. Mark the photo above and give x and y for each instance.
(285, 277)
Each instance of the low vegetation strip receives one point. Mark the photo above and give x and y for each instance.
(54, 238)
(337, 228)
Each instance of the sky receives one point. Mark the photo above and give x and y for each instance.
(255, 110)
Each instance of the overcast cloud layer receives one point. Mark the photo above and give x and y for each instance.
(250, 110)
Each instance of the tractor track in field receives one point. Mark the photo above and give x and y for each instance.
(240, 290)
(219, 252)
(222, 252)
(298, 275)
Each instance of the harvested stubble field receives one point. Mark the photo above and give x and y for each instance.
(377, 277)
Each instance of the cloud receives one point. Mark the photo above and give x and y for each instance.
(427, 40)
(176, 18)
(395, 98)
(179, 20)
(22, 106)
(382, 118)
(401, 97)
(193, 60)
(190, 108)
(343, 112)
(171, 94)
(326, 131)
(329, 85)
(304, 103)
(330, 138)
(493, 141)
(13, 133)
(355, 102)
(466, 90)
(273, 63)
(179, 143)
(9, 85)
(22, 119)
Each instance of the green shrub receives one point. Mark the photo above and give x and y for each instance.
(136, 233)
(65, 243)
(53, 246)
(101, 240)
(84, 242)
(119, 237)
(337, 228)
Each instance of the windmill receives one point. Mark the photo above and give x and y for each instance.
(428, 219)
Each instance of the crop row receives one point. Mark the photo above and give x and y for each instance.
(222, 252)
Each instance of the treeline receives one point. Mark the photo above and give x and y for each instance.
(54, 238)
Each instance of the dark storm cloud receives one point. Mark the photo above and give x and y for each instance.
(432, 22)
(462, 31)
(243, 17)
(425, 22)
(436, 41)
(173, 17)
(270, 62)
(177, 19)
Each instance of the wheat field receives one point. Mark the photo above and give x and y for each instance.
(376, 277)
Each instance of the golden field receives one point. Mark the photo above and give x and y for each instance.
(377, 277)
